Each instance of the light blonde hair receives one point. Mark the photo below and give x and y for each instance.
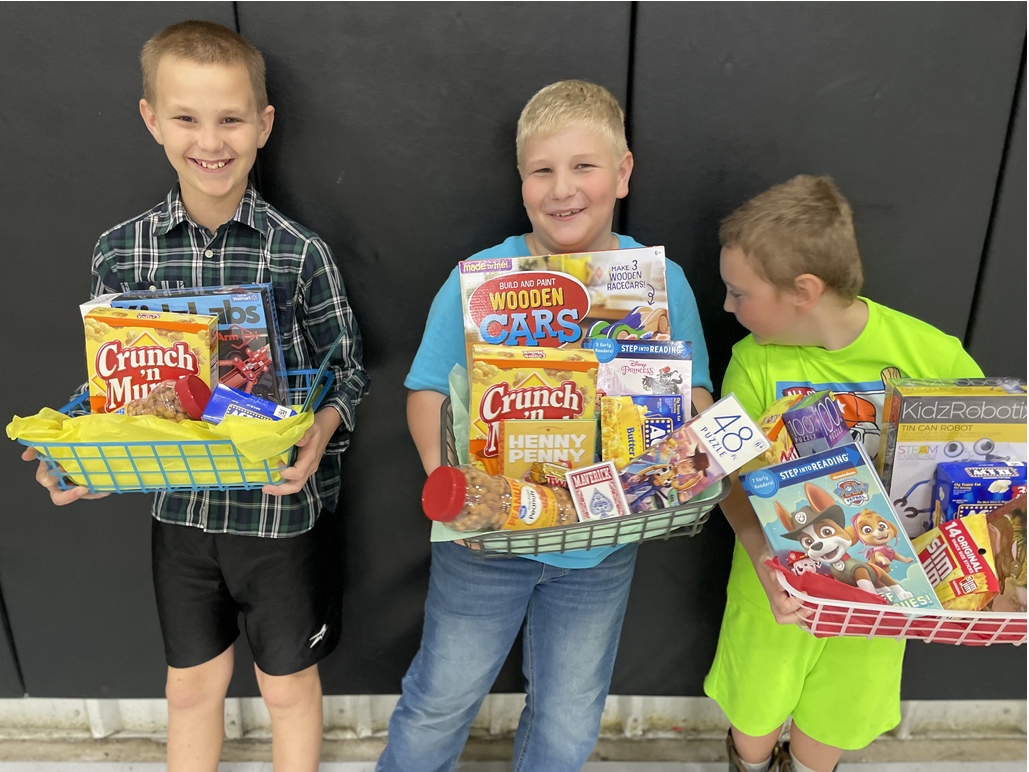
(554, 108)
(203, 42)
(804, 225)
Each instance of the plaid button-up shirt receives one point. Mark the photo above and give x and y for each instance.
(165, 249)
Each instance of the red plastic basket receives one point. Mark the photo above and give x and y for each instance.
(830, 618)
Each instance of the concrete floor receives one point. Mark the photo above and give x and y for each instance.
(499, 766)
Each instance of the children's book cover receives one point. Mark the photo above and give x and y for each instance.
(557, 301)
(831, 508)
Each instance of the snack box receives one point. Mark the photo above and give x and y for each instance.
(249, 346)
(832, 508)
(628, 368)
(129, 352)
(774, 427)
(962, 489)
(630, 425)
(815, 423)
(958, 559)
(927, 422)
(555, 301)
(525, 443)
(596, 492)
(511, 382)
(226, 401)
(693, 457)
(1007, 525)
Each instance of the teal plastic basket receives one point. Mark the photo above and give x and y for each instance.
(172, 466)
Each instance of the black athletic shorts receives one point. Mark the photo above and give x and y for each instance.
(289, 591)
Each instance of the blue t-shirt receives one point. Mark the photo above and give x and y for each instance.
(443, 346)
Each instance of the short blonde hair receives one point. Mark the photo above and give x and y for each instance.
(203, 42)
(802, 226)
(572, 102)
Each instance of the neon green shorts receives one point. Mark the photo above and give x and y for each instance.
(843, 692)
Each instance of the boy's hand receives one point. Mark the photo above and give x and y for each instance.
(786, 609)
(312, 448)
(49, 481)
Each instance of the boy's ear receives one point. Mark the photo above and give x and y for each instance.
(624, 173)
(150, 119)
(807, 290)
(266, 119)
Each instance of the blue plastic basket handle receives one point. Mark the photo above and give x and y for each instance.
(316, 385)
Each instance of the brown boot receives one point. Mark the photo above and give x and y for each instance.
(736, 763)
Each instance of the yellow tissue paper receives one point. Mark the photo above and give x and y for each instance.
(236, 451)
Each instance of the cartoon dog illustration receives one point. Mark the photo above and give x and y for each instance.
(875, 532)
(799, 563)
(820, 529)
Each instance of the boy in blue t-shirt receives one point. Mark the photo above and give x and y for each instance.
(574, 164)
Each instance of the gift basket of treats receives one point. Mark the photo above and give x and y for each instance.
(186, 391)
(930, 543)
(571, 428)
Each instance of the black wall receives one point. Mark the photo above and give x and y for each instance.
(394, 139)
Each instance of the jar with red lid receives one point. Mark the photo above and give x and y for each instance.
(467, 499)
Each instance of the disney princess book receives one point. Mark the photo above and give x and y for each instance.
(827, 513)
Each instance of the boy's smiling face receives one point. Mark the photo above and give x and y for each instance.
(570, 182)
(206, 119)
(758, 305)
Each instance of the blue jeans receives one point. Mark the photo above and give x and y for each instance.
(573, 619)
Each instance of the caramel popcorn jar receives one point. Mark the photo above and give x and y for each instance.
(128, 353)
(511, 382)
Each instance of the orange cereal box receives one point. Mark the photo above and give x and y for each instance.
(129, 352)
(538, 383)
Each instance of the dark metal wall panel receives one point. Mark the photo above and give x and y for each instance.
(75, 160)
(905, 104)
(997, 336)
(907, 107)
(394, 140)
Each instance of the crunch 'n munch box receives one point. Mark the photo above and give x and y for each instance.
(129, 352)
(558, 301)
(511, 382)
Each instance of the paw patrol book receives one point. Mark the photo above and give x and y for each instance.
(829, 513)
(558, 301)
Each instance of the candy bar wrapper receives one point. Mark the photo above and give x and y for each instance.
(596, 492)
(694, 457)
(815, 423)
(526, 443)
(958, 559)
(226, 401)
(969, 488)
(772, 424)
(630, 425)
(249, 354)
(628, 367)
(1007, 526)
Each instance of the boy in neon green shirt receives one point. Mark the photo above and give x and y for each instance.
(792, 272)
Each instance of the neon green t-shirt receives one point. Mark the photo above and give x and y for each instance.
(892, 345)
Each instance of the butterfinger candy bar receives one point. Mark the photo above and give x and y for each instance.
(630, 425)
(226, 401)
